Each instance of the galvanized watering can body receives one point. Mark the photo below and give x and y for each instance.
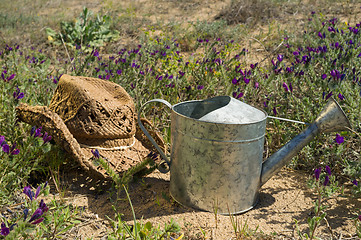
(217, 153)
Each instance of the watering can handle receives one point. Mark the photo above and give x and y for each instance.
(162, 154)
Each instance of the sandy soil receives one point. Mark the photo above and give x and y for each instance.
(283, 199)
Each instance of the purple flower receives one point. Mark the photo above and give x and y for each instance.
(280, 58)
(237, 96)
(39, 220)
(324, 76)
(46, 138)
(95, 53)
(290, 86)
(359, 55)
(328, 170)
(331, 29)
(333, 21)
(355, 182)
(38, 132)
(306, 59)
(200, 87)
(274, 111)
(273, 63)
(95, 153)
(340, 96)
(234, 81)
(36, 217)
(246, 80)
(322, 36)
(335, 74)
(4, 230)
(37, 191)
(13, 150)
(6, 148)
(38, 212)
(253, 66)
(317, 173)
(119, 71)
(17, 94)
(284, 85)
(277, 71)
(43, 206)
(11, 77)
(329, 95)
(28, 192)
(327, 180)
(256, 85)
(359, 218)
(339, 139)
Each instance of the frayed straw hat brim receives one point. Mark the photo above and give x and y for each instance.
(120, 160)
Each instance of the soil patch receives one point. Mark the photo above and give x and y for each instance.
(283, 199)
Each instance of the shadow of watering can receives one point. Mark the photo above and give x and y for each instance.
(217, 149)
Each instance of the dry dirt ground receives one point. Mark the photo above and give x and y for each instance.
(283, 199)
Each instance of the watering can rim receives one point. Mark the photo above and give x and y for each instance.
(225, 124)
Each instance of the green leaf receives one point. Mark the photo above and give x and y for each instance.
(148, 226)
(66, 229)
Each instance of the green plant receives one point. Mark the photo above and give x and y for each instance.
(119, 181)
(325, 186)
(47, 221)
(84, 31)
(242, 230)
(18, 163)
(358, 225)
(139, 230)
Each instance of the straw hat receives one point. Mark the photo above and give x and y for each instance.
(87, 114)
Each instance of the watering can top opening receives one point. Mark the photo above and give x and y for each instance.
(220, 110)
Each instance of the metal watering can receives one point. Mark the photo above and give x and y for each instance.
(217, 144)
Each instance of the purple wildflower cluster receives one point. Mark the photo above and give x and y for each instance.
(317, 174)
(334, 49)
(243, 76)
(355, 182)
(95, 153)
(36, 132)
(18, 94)
(132, 61)
(339, 139)
(6, 148)
(7, 77)
(38, 215)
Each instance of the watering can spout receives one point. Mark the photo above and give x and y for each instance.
(331, 119)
